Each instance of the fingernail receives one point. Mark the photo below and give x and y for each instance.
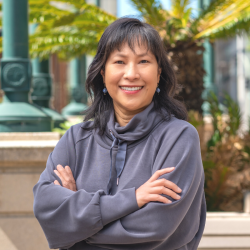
(169, 201)
(178, 197)
(179, 190)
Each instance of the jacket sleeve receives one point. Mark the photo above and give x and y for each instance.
(167, 226)
(68, 217)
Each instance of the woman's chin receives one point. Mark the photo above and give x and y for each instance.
(133, 107)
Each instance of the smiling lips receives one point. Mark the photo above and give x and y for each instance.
(131, 90)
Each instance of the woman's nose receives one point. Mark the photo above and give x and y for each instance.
(131, 72)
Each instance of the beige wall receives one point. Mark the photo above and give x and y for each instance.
(21, 163)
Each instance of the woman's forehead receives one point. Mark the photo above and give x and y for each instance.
(138, 49)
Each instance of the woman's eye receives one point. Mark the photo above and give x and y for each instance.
(119, 62)
(144, 61)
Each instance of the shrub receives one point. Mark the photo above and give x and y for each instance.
(225, 157)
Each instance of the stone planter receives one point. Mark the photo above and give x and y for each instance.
(23, 157)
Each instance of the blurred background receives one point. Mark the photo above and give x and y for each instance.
(46, 48)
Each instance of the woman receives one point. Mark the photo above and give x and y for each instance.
(110, 182)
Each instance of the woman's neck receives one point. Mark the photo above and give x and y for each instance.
(123, 116)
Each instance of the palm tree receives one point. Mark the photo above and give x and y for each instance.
(184, 35)
(70, 28)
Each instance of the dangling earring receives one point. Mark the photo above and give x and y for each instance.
(105, 91)
(158, 90)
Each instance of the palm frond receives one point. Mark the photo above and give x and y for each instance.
(77, 4)
(179, 8)
(227, 15)
(208, 12)
(45, 14)
(52, 16)
(152, 12)
(65, 42)
(66, 27)
(61, 4)
(238, 26)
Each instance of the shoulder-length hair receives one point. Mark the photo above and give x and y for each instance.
(131, 31)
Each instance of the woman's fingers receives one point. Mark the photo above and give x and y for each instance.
(167, 184)
(59, 175)
(66, 176)
(154, 187)
(160, 198)
(166, 191)
(68, 170)
(56, 182)
(160, 172)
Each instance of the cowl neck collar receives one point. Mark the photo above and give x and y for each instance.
(137, 128)
(121, 137)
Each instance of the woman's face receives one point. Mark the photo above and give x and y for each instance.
(131, 78)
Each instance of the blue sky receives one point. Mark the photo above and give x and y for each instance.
(124, 7)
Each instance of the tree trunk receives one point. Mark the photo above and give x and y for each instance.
(187, 61)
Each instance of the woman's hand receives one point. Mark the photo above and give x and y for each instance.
(66, 176)
(151, 190)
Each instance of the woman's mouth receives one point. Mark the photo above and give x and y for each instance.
(131, 90)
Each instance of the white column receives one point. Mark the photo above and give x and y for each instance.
(241, 86)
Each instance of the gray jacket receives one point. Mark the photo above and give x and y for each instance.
(103, 213)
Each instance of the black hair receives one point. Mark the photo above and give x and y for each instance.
(130, 30)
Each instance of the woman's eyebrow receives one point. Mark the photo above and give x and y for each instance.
(120, 55)
(139, 55)
(143, 54)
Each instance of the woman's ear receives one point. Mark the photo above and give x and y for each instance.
(159, 74)
(103, 75)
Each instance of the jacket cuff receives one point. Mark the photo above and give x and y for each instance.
(114, 207)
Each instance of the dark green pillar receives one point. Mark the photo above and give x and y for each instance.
(16, 113)
(208, 64)
(42, 86)
(41, 82)
(77, 87)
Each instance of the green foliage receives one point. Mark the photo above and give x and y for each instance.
(72, 27)
(221, 128)
(226, 156)
(66, 125)
(234, 120)
(195, 119)
(216, 114)
(214, 109)
(223, 19)
(220, 19)
(65, 42)
(216, 137)
(68, 28)
(151, 11)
